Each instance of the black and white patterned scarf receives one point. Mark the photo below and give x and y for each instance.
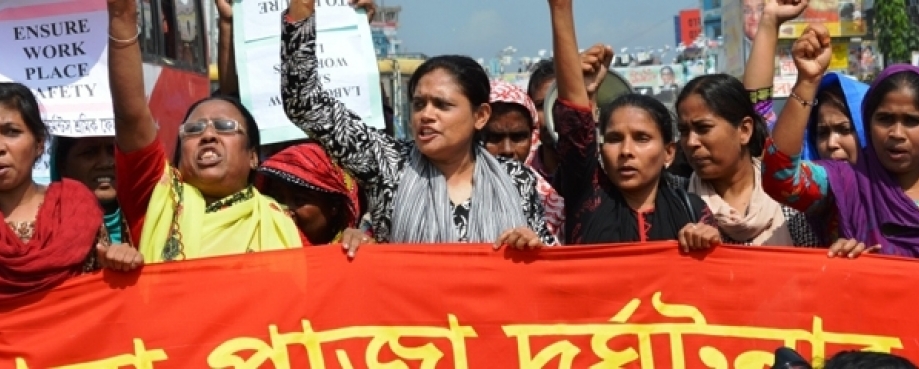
(422, 206)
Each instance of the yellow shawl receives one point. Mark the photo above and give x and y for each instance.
(255, 224)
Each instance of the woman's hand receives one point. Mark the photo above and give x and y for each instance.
(851, 249)
(119, 8)
(352, 239)
(224, 10)
(369, 7)
(698, 236)
(782, 11)
(595, 63)
(812, 52)
(521, 238)
(122, 257)
(299, 10)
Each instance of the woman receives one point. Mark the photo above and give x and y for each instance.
(834, 131)
(621, 197)
(91, 161)
(207, 205)
(50, 233)
(323, 198)
(420, 191)
(509, 133)
(722, 132)
(722, 136)
(872, 202)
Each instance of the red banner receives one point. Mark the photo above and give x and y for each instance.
(443, 306)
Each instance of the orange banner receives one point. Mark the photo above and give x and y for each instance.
(443, 306)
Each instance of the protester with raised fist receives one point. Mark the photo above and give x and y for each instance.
(612, 178)
(872, 204)
(722, 135)
(442, 186)
(206, 205)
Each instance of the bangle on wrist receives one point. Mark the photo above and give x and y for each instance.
(127, 41)
(807, 104)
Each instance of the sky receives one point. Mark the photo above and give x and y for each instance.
(482, 28)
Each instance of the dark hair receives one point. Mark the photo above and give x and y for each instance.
(252, 134)
(896, 81)
(833, 96)
(667, 68)
(469, 75)
(542, 72)
(867, 360)
(727, 98)
(499, 108)
(656, 109)
(17, 96)
(62, 147)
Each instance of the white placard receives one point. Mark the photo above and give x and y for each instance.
(63, 59)
(347, 66)
(262, 18)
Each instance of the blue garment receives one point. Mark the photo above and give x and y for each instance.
(114, 222)
(854, 92)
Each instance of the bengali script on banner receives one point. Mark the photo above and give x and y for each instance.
(394, 306)
(347, 63)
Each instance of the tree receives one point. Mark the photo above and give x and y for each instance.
(897, 36)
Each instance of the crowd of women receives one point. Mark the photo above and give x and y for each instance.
(838, 168)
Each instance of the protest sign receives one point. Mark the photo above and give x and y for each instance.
(467, 306)
(59, 49)
(347, 63)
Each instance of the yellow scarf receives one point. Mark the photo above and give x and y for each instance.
(255, 224)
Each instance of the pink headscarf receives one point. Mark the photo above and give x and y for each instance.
(553, 204)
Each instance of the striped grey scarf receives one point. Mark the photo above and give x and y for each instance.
(422, 207)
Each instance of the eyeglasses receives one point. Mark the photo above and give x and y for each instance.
(222, 126)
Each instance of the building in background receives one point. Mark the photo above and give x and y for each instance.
(677, 30)
(912, 9)
(385, 31)
(690, 26)
(711, 18)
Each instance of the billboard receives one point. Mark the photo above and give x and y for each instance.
(661, 81)
(843, 18)
(690, 25)
(734, 16)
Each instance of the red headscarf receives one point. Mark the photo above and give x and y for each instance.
(66, 229)
(307, 165)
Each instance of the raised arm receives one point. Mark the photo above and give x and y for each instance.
(226, 51)
(572, 113)
(812, 53)
(798, 183)
(134, 125)
(569, 77)
(370, 154)
(760, 69)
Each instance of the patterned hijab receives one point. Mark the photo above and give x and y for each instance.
(307, 165)
(504, 92)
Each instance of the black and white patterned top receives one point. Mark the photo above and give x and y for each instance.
(374, 158)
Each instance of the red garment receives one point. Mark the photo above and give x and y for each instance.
(66, 229)
(307, 165)
(138, 172)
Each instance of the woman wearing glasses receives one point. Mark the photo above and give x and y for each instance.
(206, 205)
